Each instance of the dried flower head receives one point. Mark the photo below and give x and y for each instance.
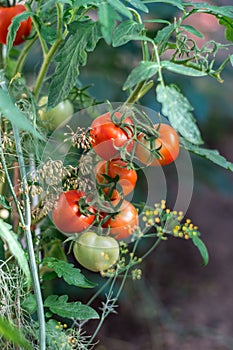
(79, 138)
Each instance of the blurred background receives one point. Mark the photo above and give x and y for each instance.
(178, 304)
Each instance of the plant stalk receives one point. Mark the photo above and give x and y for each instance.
(30, 248)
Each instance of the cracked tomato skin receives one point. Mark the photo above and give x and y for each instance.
(107, 136)
(124, 223)
(167, 142)
(67, 216)
(6, 16)
(94, 252)
(116, 167)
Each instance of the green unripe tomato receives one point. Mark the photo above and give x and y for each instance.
(57, 116)
(96, 253)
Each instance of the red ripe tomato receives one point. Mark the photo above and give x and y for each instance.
(123, 224)
(127, 177)
(107, 136)
(167, 144)
(67, 215)
(6, 15)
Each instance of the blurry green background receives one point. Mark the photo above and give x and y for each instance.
(178, 304)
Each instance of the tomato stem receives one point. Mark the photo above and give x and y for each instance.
(49, 55)
(44, 67)
(145, 51)
(23, 55)
(37, 29)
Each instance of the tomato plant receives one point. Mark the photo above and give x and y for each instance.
(6, 16)
(68, 216)
(35, 162)
(118, 174)
(166, 145)
(57, 116)
(108, 137)
(123, 223)
(96, 253)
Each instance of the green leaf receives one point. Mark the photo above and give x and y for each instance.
(70, 56)
(177, 3)
(181, 69)
(107, 19)
(120, 7)
(85, 3)
(192, 30)
(179, 111)
(210, 154)
(215, 10)
(29, 304)
(164, 34)
(228, 24)
(12, 29)
(125, 32)
(4, 202)
(202, 249)
(14, 246)
(138, 5)
(14, 115)
(143, 72)
(231, 60)
(49, 34)
(73, 310)
(12, 334)
(69, 273)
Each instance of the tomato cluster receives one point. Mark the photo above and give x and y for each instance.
(115, 178)
(6, 16)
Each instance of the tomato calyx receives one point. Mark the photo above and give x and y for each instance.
(84, 206)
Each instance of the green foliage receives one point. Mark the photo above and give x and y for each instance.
(12, 334)
(228, 24)
(144, 71)
(179, 111)
(214, 10)
(182, 69)
(29, 304)
(4, 202)
(192, 30)
(69, 273)
(126, 31)
(14, 27)
(212, 155)
(176, 3)
(17, 251)
(14, 115)
(72, 310)
(70, 56)
(202, 249)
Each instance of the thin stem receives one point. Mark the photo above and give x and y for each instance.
(49, 55)
(155, 245)
(43, 70)
(133, 97)
(145, 51)
(159, 65)
(30, 247)
(37, 29)
(23, 55)
(1, 57)
(10, 184)
(99, 291)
